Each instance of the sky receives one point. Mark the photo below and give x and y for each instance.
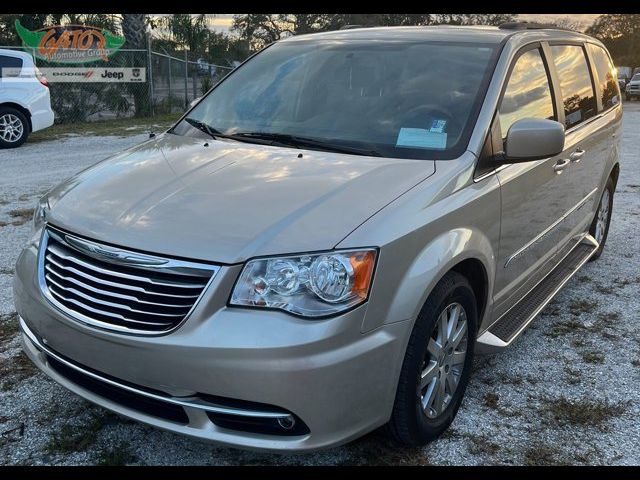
(222, 22)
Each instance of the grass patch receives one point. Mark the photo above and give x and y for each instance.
(605, 290)
(582, 412)
(75, 438)
(116, 457)
(578, 307)
(481, 445)
(8, 327)
(121, 127)
(540, 454)
(491, 400)
(573, 325)
(20, 216)
(14, 370)
(574, 377)
(593, 357)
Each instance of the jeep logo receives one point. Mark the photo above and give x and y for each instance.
(116, 75)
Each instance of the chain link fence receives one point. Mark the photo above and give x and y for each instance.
(177, 81)
(90, 91)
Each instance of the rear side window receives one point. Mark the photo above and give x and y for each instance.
(11, 63)
(606, 76)
(575, 83)
(528, 94)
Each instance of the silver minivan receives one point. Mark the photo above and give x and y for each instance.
(321, 244)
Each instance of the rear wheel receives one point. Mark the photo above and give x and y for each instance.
(600, 225)
(14, 128)
(437, 363)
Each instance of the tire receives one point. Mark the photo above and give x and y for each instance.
(410, 424)
(609, 189)
(14, 128)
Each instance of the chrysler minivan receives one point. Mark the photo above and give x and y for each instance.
(322, 243)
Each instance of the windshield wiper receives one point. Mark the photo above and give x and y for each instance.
(215, 134)
(296, 141)
(266, 138)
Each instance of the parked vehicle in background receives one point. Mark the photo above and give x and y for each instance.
(204, 68)
(25, 103)
(323, 242)
(622, 83)
(625, 72)
(632, 90)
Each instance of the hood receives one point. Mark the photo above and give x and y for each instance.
(228, 201)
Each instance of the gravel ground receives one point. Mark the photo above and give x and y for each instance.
(565, 393)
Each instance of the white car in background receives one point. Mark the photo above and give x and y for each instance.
(632, 89)
(25, 104)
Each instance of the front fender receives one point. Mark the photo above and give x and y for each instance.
(423, 235)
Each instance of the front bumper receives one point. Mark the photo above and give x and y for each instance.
(336, 382)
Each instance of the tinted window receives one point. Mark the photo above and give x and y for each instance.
(401, 99)
(528, 94)
(575, 83)
(606, 76)
(11, 63)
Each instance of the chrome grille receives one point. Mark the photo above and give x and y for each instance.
(118, 289)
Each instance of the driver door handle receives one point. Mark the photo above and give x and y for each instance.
(576, 156)
(561, 165)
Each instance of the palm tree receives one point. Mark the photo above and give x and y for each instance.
(134, 27)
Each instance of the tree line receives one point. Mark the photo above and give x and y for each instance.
(250, 32)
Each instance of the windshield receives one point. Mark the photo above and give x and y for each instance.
(390, 98)
(636, 77)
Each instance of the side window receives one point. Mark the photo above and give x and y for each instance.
(528, 94)
(606, 76)
(11, 64)
(575, 83)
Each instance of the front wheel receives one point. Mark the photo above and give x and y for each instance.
(437, 363)
(600, 225)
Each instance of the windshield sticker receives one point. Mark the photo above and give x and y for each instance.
(438, 126)
(421, 138)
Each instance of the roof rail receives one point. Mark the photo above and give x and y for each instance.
(530, 26)
(351, 27)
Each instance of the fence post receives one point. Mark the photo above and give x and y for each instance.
(170, 100)
(186, 79)
(150, 74)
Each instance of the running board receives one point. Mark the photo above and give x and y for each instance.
(507, 328)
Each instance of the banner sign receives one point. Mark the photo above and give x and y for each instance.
(70, 43)
(80, 75)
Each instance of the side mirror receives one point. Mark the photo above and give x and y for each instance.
(533, 139)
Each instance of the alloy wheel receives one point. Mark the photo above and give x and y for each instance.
(444, 362)
(11, 128)
(602, 216)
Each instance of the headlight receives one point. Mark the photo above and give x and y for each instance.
(40, 213)
(314, 285)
